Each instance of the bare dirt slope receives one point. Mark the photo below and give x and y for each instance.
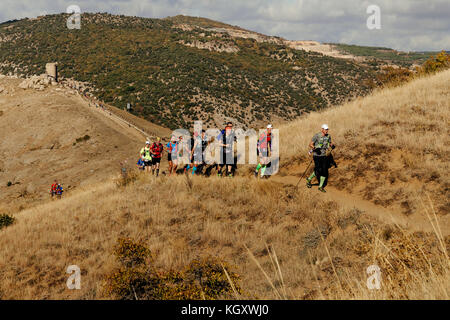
(54, 134)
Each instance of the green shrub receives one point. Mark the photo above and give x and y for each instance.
(9, 184)
(137, 278)
(6, 220)
(85, 138)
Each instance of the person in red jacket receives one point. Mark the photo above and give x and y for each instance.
(54, 188)
(156, 151)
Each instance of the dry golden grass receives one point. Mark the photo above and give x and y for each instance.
(287, 232)
(392, 145)
(285, 243)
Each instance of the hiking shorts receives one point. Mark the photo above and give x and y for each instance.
(224, 158)
(321, 166)
(156, 160)
(147, 163)
(200, 156)
(264, 152)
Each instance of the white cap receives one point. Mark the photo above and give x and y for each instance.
(147, 142)
(269, 126)
(325, 126)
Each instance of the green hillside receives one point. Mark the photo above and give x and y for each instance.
(159, 67)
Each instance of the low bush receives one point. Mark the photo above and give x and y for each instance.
(394, 76)
(127, 176)
(6, 220)
(138, 278)
(85, 138)
(435, 64)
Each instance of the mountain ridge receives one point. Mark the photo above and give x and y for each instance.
(160, 69)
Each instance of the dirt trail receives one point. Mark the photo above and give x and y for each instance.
(128, 127)
(418, 221)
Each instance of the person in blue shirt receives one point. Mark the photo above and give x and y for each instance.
(140, 164)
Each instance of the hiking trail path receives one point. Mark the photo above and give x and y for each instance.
(418, 221)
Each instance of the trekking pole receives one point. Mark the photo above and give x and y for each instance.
(304, 173)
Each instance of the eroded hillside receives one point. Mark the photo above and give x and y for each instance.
(54, 134)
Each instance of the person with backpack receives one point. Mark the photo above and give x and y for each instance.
(59, 190)
(140, 164)
(198, 151)
(321, 147)
(172, 155)
(146, 156)
(226, 140)
(264, 148)
(183, 152)
(53, 188)
(156, 151)
(188, 150)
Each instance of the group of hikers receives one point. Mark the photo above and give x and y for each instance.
(195, 149)
(56, 190)
(151, 155)
(177, 149)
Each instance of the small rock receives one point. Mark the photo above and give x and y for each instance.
(30, 188)
(24, 84)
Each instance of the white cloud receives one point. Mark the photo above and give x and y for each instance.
(406, 24)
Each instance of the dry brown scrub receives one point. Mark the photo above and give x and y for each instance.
(392, 145)
(322, 250)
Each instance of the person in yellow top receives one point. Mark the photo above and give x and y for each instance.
(146, 156)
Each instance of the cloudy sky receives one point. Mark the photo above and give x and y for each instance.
(405, 24)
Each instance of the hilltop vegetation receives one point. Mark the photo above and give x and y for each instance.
(381, 56)
(157, 65)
